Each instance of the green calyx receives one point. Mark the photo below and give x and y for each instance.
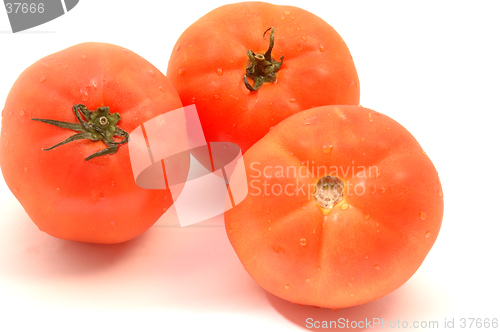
(262, 67)
(98, 125)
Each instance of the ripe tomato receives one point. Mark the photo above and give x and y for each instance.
(309, 66)
(67, 196)
(343, 207)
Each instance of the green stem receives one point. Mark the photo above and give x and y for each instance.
(262, 68)
(98, 125)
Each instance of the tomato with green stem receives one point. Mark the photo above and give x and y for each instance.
(247, 66)
(64, 142)
(343, 206)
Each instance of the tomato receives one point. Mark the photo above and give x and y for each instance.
(343, 206)
(308, 65)
(68, 191)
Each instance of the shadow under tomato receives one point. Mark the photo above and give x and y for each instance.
(69, 257)
(199, 270)
(27, 251)
(358, 318)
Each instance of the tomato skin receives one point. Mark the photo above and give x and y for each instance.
(371, 243)
(65, 196)
(208, 63)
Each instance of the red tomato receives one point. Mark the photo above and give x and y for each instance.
(343, 207)
(66, 196)
(211, 59)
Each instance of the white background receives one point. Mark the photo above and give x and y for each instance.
(434, 66)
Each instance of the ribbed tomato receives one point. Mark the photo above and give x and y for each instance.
(343, 206)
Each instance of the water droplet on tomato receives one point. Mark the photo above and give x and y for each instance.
(308, 280)
(165, 209)
(310, 121)
(425, 154)
(423, 215)
(377, 267)
(85, 94)
(370, 117)
(219, 71)
(363, 139)
(440, 193)
(287, 286)
(182, 71)
(230, 231)
(161, 88)
(178, 47)
(57, 189)
(216, 96)
(21, 113)
(293, 100)
(304, 38)
(282, 18)
(26, 169)
(42, 79)
(321, 47)
(287, 12)
(234, 97)
(382, 190)
(428, 234)
(350, 284)
(303, 242)
(84, 57)
(101, 195)
(345, 206)
(278, 249)
(327, 149)
(151, 73)
(366, 215)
